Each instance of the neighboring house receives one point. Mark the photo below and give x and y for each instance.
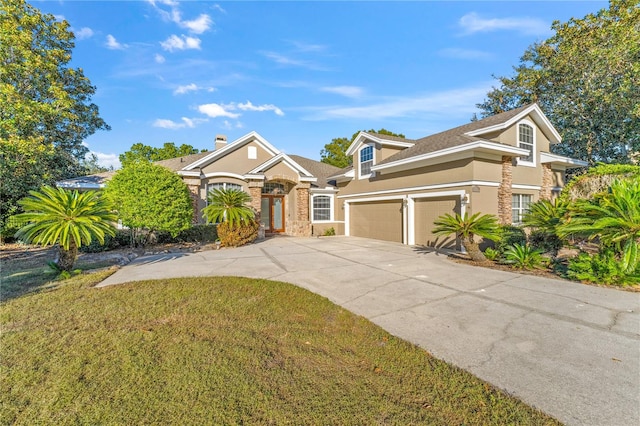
(396, 187)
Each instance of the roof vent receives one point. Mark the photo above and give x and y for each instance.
(221, 141)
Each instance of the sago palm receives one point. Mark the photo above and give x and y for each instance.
(228, 205)
(465, 228)
(545, 215)
(67, 218)
(613, 217)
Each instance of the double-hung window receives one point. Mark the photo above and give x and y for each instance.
(520, 204)
(526, 141)
(366, 161)
(321, 208)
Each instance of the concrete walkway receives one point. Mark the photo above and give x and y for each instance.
(569, 349)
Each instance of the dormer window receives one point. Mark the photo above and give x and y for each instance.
(526, 140)
(366, 161)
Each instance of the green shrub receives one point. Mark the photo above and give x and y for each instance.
(199, 234)
(601, 268)
(238, 234)
(545, 242)
(121, 239)
(491, 254)
(523, 257)
(329, 232)
(509, 236)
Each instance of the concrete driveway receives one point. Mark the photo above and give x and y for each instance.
(569, 349)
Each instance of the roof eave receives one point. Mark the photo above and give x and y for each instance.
(559, 160)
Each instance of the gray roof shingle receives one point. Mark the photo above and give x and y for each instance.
(318, 169)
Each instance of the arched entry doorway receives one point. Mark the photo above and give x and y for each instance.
(272, 214)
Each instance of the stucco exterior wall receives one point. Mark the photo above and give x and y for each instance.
(237, 161)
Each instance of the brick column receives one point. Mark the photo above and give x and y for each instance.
(547, 182)
(255, 190)
(302, 209)
(504, 191)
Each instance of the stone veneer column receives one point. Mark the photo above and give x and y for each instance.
(194, 193)
(504, 191)
(255, 190)
(302, 225)
(547, 182)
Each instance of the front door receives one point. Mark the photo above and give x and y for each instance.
(272, 213)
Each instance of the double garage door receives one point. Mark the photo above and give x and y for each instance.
(383, 220)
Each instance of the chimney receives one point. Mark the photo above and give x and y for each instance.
(221, 141)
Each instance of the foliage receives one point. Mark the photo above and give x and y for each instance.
(612, 217)
(596, 180)
(334, 153)
(510, 235)
(466, 227)
(121, 238)
(228, 205)
(522, 256)
(224, 351)
(491, 254)
(329, 232)
(544, 217)
(69, 219)
(601, 268)
(91, 166)
(239, 234)
(150, 198)
(46, 110)
(142, 152)
(586, 78)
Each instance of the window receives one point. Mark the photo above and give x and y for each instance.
(321, 208)
(221, 185)
(366, 161)
(273, 188)
(526, 141)
(519, 206)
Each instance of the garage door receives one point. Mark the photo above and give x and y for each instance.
(426, 211)
(380, 220)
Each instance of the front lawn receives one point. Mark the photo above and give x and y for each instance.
(222, 351)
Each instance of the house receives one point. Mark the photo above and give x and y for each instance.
(396, 187)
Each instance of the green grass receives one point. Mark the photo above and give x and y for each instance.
(223, 351)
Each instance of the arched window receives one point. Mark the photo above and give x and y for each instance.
(526, 140)
(221, 185)
(366, 161)
(273, 188)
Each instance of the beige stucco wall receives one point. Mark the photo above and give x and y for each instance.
(281, 171)
(237, 161)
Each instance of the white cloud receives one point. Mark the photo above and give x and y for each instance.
(308, 47)
(442, 103)
(348, 91)
(199, 25)
(180, 43)
(248, 106)
(472, 23)
(289, 61)
(457, 53)
(181, 90)
(113, 44)
(173, 125)
(215, 110)
(159, 58)
(104, 160)
(83, 33)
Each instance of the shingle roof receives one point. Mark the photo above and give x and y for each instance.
(452, 137)
(318, 169)
(179, 163)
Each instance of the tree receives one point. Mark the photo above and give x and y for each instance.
(334, 153)
(465, 228)
(237, 220)
(140, 151)
(150, 198)
(612, 216)
(45, 106)
(67, 218)
(586, 79)
(91, 166)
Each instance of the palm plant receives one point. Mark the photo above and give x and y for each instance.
(612, 217)
(465, 228)
(523, 257)
(228, 205)
(544, 217)
(69, 219)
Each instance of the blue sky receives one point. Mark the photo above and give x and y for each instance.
(298, 73)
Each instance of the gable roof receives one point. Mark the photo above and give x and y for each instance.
(471, 132)
(362, 137)
(322, 171)
(178, 163)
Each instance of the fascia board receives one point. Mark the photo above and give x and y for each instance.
(356, 143)
(484, 145)
(186, 173)
(382, 141)
(254, 176)
(232, 147)
(546, 157)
